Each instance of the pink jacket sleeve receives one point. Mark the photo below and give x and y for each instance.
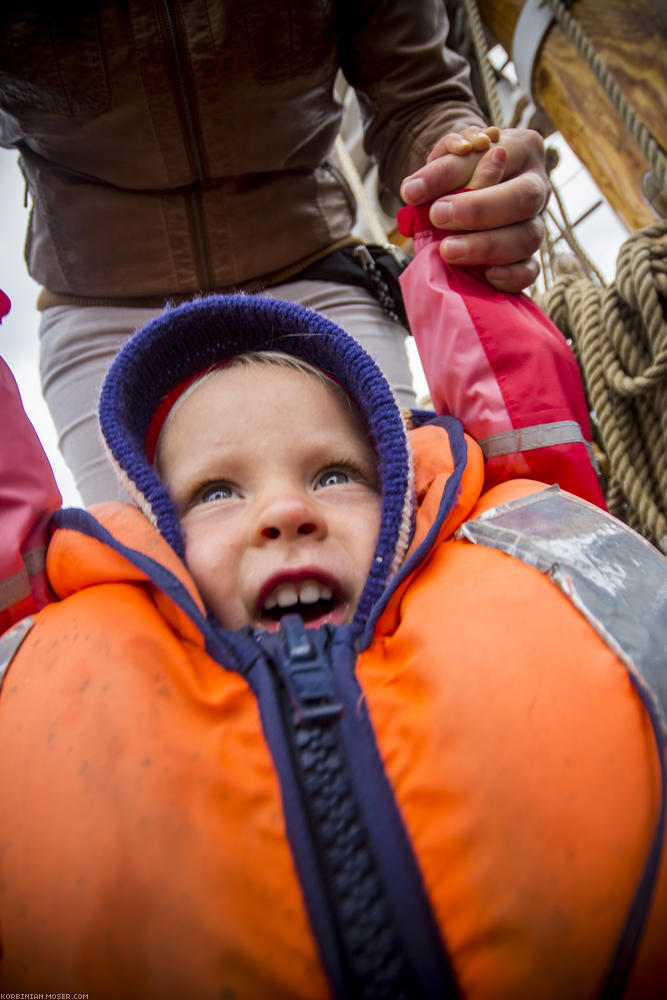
(28, 496)
(500, 365)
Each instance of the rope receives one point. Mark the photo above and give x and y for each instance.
(620, 337)
(353, 178)
(567, 232)
(643, 137)
(552, 262)
(482, 53)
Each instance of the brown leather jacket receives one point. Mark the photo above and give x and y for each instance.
(172, 147)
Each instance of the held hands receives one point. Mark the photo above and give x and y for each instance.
(497, 223)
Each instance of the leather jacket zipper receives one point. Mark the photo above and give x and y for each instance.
(371, 960)
(185, 101)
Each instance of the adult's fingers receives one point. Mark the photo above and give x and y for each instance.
(525, 151)
(450, 165)
(440, 176)
(513, 277)
(494, 247)
(489, 170)
(513, 201)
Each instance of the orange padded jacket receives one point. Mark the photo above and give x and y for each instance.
(484, 740)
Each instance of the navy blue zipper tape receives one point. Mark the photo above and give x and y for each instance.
(368, 907)
(410, 905)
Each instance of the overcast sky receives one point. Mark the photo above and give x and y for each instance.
(601, 235)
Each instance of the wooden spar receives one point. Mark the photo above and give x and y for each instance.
(630, 37)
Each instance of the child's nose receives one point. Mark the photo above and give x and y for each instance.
(289, 516)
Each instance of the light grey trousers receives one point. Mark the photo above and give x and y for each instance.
(77, 345)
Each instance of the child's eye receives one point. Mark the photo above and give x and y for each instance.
(216, 491)
(333, 477)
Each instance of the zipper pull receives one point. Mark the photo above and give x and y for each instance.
(383, 292)
(302, 663)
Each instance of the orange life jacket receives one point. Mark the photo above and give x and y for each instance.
(146, 845)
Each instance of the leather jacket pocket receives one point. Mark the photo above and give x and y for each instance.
(51, 59)
(287, 39)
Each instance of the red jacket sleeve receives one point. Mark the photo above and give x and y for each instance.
(28, 496)
(499, 364)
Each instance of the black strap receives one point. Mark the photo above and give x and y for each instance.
(375, 268)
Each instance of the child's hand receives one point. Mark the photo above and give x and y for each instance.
(469, 140)
(497, 221)
(442, 174)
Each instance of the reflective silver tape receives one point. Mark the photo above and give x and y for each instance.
(529, 438)
(10, 643)
(14, 589)
(615, 578)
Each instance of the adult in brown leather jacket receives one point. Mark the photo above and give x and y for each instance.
(178, 147)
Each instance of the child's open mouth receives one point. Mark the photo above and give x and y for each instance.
(312, 599)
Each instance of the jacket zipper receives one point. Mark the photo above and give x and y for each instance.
(371, 959)
(185, 102)
(301, 702)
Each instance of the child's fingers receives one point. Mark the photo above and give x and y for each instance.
(451, 165)
(454, 143)
(470, 140)
(481, 140)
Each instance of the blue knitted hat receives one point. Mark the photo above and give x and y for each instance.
(189, 339)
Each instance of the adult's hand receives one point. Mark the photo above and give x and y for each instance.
(498, 221)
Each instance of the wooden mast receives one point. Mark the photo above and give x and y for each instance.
(630, 37)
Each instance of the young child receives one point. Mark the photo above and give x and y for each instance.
(450, 782)
(273, 520)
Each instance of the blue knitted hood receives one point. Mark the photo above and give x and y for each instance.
(189, 339)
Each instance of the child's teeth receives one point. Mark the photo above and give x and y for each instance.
(310, 592)
(286, 595)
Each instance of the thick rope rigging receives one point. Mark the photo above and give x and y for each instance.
(620, 337)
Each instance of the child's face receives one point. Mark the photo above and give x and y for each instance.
(275, 484)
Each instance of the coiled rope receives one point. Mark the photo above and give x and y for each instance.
(620, 338)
